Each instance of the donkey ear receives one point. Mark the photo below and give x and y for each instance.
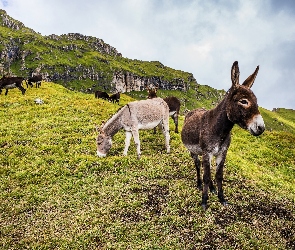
(250, 80)
(235, 74)
(99, 129)
(96, 128)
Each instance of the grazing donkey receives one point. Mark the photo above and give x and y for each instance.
(145, 114)
(207, 133)
(36, 78)
(173, 104)
(10, 83)
(115, 98)
(101, 94)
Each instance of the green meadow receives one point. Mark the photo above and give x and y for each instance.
(55, 193)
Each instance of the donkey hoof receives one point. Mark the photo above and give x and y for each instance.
(224, 203)
(204, 206)
(213, 190)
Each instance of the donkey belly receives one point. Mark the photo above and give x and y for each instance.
(172, 112)
(10, 86)
(148, 125)
(194, 148)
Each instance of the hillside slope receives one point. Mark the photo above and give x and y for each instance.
(56, 194)
(80, 62)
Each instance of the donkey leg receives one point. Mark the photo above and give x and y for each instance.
(206, 179)
(220, 159)
(127, 142)
(175, 119)
(6, 92)
(22, 89)
(198, 166)
(135, 134)
(165, 130)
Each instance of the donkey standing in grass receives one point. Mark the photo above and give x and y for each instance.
(207, 133)
(145, 114)
(10, 83)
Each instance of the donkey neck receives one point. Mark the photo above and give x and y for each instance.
(113, 125)
(222, 125)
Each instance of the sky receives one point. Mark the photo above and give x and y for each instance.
(203, 37)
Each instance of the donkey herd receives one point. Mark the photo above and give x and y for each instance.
(11, 82)
(205, 133)
(104, 95)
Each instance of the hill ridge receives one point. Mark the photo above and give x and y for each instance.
(80, 62)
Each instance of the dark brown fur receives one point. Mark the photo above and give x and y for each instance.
(173, 104)
(11, 82)
(101, 94)
(37, 79)
(115, 98)
(207, 133)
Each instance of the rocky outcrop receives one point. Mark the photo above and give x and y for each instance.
(95, 43)
(7, 21)
(120, 82)
(126, 82)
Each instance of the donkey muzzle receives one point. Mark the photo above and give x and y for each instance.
(256, 127)
(99, 154)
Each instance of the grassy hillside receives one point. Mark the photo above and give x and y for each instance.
(279, 120)
(55, 193)
(78, 62)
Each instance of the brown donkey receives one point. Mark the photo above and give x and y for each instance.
(173, 104)
(207, 133)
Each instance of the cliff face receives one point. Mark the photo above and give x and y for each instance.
(126, 82)
(80, 62)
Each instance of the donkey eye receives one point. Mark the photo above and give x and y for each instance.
(244, 102)
(99, 139)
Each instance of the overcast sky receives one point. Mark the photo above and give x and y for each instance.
(203, 37)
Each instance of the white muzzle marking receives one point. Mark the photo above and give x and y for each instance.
(256, 127)
(99, 154)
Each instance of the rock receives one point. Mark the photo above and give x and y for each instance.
(39, 101)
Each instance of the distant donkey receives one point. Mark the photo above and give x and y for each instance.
(10, 83)
(101, 94)
(145, 114)
(207, 133)
(115, 98)
(37, 79)
(173, 104)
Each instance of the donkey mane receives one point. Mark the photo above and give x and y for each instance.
(111, 127)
